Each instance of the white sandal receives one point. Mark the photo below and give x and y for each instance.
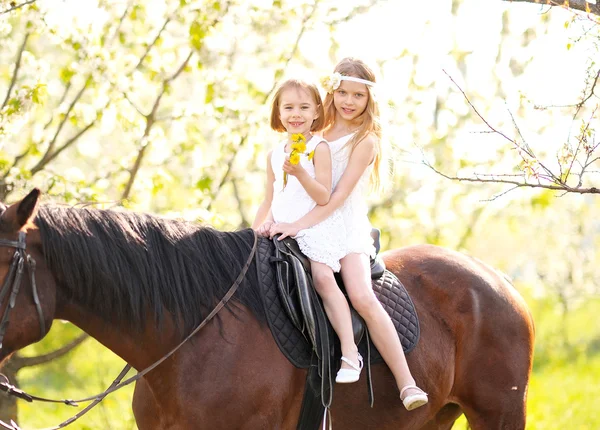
(414, 401)
(346, 376)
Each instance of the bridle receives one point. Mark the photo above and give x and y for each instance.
(16, 271)
(12, 282)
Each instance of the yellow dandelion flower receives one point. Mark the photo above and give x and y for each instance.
(298, 149)
(298, 137)
(294, 157)
(299, 146)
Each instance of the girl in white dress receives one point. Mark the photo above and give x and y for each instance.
(294, 189)
(353, 130)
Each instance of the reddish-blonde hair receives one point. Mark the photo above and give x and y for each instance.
(370, 118)
(318, 124)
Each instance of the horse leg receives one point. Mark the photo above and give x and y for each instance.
(505, 412)
(492, 388)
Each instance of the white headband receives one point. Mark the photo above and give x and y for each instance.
(332, 82)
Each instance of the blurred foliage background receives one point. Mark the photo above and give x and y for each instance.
(162, 106)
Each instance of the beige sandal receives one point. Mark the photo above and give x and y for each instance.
(413, 401)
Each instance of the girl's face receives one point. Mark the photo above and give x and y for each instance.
(350, 100)
(297, 110)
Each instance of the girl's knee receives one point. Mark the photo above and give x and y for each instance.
(323, 280)
(365, 303)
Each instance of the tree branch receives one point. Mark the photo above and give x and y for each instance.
(352, 14)
(17, 6)
(225, 176)
(518, 184)
(60, 102)
(145, 54)
(579, 5)
(16, 161)
(150, 121)
(238, 198)
(120, 24)
(13, 80)
(524, 148)
(50, 149)
(138, 110)
(42, 163)
(21, 361)
(589, 96)
(151, 117)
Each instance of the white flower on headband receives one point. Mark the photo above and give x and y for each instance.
(332, 82)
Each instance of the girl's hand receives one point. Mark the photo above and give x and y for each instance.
(293, 169)
(286, 230)
(264, 228)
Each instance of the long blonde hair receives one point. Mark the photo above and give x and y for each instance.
(370, 118)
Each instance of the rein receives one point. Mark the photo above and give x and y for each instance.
(116, 384)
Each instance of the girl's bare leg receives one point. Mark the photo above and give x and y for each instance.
(337, 309)
(356, 273)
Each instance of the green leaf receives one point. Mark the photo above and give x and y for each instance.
(210, 93)
(66, 73)
(197, 34)
(39, 93)
(204, 184)
(543, 199)
(134, 12)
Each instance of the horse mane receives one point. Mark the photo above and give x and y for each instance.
(128, 266)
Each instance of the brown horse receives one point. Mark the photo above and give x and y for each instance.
(139, 284)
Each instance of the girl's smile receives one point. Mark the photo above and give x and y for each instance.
(297, 110)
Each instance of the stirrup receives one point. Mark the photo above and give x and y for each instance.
(414, 401)
(346, 376)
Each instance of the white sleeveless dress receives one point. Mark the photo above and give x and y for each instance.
(355, 209)
(323, 242)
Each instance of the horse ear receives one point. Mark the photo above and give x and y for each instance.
(21, 212)
(28, 207)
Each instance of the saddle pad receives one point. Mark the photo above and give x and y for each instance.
(398, 304)
(292, 343)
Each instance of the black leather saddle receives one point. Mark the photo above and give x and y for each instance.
(294, 285)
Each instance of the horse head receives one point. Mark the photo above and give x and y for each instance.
(27, 295)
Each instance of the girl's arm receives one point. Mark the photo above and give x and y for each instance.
(264, 229)
(362, 156)
(319, 188)
(264, 213)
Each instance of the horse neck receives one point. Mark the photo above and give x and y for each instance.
(139, 349)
